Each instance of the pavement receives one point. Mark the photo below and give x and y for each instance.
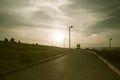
(76, 65)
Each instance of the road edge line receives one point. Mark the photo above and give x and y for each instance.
(39, 62)
(115, 69)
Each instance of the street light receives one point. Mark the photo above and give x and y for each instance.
(70, 37)
(110, 43)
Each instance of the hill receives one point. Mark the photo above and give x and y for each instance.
(15, 55)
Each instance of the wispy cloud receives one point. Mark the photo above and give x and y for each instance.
(90, 18)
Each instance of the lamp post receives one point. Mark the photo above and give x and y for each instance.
(110, 43)
(70, 37)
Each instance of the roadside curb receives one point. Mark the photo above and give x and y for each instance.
(39, 62)
(115, 69)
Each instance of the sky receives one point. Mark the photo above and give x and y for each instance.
(42, 21)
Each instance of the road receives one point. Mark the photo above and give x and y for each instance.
(77, 65)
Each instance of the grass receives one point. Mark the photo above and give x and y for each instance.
(18, 55)
(112, 56)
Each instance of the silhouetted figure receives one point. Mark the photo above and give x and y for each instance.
(12, 40)
(6, 40)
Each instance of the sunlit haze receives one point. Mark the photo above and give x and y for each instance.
(47, 22)
(58, 36)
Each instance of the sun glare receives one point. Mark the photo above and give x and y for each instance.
(59, 36)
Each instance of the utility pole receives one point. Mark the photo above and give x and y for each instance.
(110, 43)
(70, 36)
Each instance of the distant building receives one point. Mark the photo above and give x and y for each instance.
(78, 46)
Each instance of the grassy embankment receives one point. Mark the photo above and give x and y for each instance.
(18, 55)
(112, 56)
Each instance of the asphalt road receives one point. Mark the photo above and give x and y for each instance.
(77, 65)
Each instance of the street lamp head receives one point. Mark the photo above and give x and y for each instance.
(71, 26)
(110, 39)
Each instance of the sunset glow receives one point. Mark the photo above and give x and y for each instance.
(58, 37)
(47, 21)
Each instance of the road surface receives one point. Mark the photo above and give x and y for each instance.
(77, 65)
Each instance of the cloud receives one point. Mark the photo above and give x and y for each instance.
(14, 3)
(11, 14)
(33, 13)
(111, 23)
(95, 15)
(9, 19)
(90, 18)
(56, 13)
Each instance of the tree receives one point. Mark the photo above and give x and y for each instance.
(6, 40)
(12, 40)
